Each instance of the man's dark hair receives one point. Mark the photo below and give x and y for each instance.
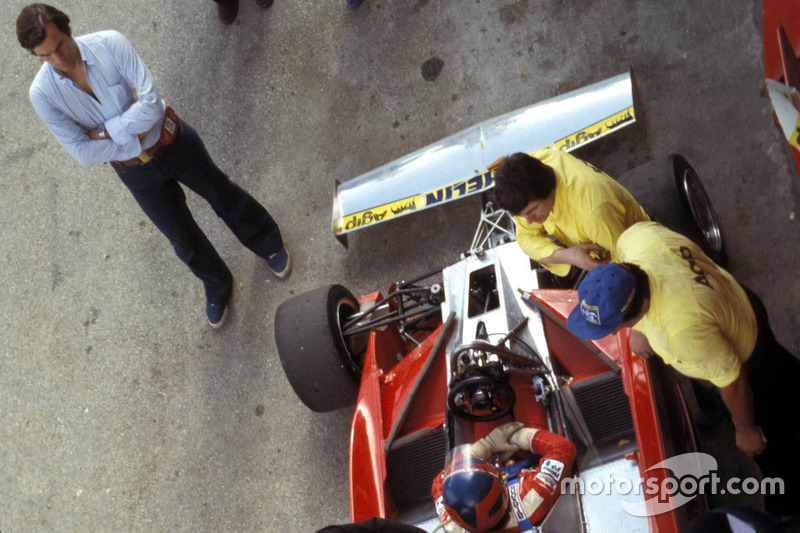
(521, 179)
(642, 291)
(32, 24)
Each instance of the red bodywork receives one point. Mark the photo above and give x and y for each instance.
(385, 386)
(389, 377)
(781, 22)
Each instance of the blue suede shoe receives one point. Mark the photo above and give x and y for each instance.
(352, 3)
(280, 262)
(217, 314)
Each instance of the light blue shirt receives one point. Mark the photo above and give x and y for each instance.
(112, 67)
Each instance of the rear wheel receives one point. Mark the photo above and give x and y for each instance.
(313, 352)
(670, 191)
(695, 196)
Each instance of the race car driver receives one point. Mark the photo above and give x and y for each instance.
(697, 318)
(474, 495)
(554, 194)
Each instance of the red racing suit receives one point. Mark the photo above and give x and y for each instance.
(539, 488)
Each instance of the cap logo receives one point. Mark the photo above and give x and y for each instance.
(591, 313)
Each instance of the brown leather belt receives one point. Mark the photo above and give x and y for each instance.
(142, 158)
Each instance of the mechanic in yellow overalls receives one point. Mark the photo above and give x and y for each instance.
(697, 318)
(551, 193)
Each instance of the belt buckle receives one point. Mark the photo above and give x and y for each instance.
(144, 157)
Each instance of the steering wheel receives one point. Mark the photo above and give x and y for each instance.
(481, 398)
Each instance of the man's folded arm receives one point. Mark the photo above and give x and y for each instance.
(146, 110)
(73, 137)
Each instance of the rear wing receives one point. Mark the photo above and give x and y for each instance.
(455, 167)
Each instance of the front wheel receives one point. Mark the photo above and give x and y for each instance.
(313, 352)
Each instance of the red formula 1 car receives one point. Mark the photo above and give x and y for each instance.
(441, 359)
(781, 21)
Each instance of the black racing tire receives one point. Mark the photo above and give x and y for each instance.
(671, 193)
(313, 351)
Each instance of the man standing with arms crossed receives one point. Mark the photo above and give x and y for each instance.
(100, 101)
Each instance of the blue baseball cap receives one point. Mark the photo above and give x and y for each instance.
(605, 295)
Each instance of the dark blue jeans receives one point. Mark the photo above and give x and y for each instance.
(156, 188)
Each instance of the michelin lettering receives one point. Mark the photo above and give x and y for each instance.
(462, 188)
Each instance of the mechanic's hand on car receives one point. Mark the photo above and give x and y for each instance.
(751, 440)
(584, 256)
(640, 345)
(497, 442)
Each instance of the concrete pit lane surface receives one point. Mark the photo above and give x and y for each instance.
(123, 411)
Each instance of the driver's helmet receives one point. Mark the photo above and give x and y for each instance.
(472, 492)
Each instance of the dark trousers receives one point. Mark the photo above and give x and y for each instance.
(156, 188)
(774, 376)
